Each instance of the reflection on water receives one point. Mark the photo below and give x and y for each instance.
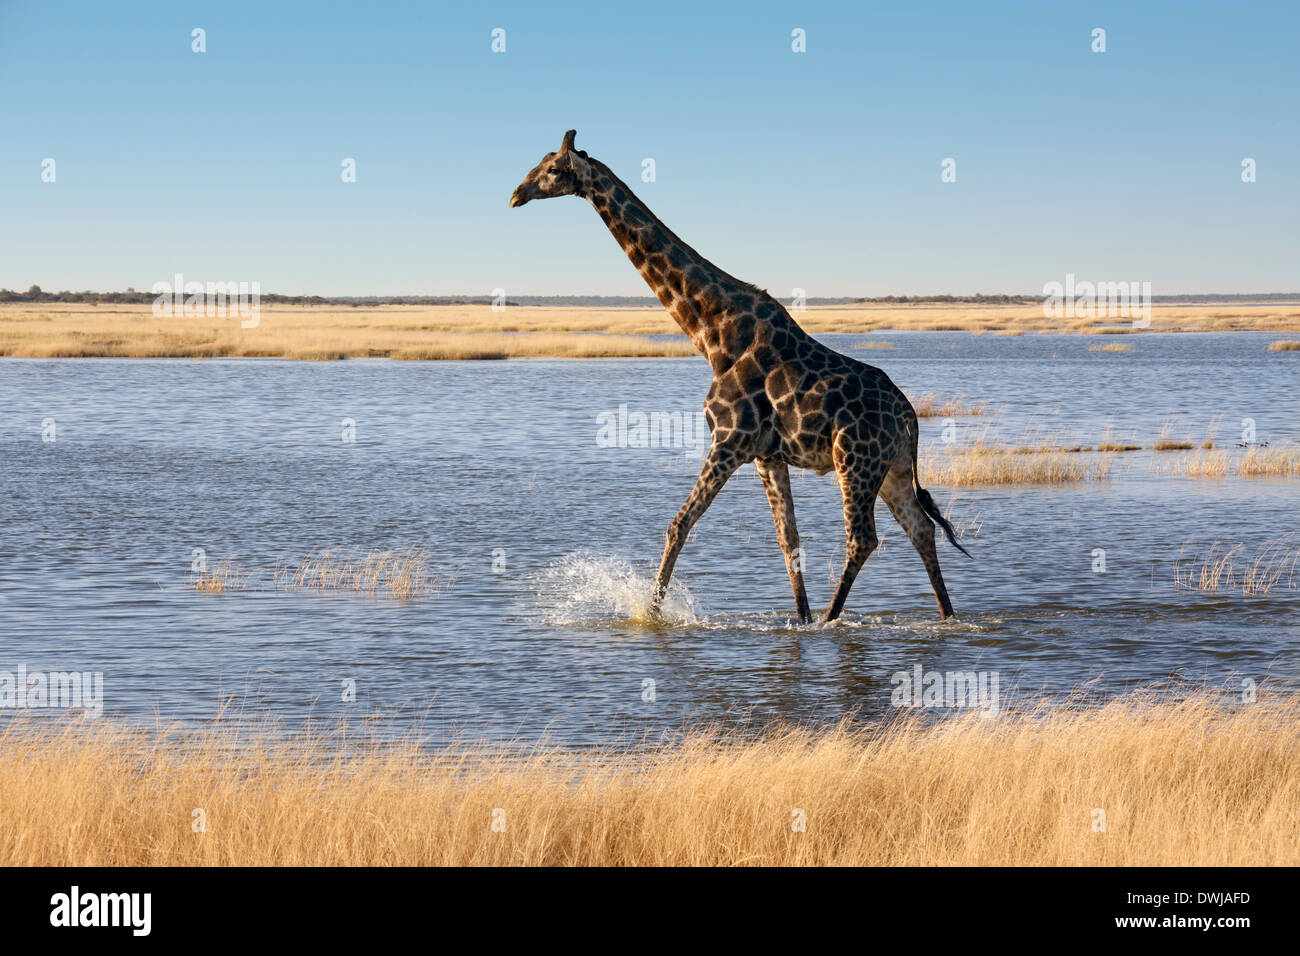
(553, 538)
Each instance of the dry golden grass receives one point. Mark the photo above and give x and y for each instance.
(995, 465)
(69, 330)
(1212, 431)
(1167, 441)
(223, 577)
(1109, 443)
(1046, 461)
(1284, 346)
(1042, 457)
(1282, 461)
(1272, 566)
(930, 405)
(1018, 319)
(398, 332)
(968, 523)
(401, 573)
(1197, 782)
(1109, 446)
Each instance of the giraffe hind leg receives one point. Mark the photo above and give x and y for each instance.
(907, 511)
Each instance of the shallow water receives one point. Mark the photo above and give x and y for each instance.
(498, 463)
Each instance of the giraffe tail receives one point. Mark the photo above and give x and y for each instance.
(927, 503)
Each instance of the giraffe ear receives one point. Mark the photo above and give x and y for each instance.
(567, 145)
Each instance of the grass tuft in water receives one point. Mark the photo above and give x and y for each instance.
(929, 405)
(1231, 570)
(400, 573)
(1282, 461)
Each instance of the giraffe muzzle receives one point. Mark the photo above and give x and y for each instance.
(521, 195)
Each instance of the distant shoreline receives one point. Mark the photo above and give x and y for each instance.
(36, 295)
(321, 332)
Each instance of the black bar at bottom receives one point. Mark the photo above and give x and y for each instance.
(333, 906)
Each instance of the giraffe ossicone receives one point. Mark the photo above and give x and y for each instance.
(779, 397)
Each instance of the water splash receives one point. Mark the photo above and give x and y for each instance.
(850, 624)
(584, 588)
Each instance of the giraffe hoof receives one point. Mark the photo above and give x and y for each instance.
(654, 613)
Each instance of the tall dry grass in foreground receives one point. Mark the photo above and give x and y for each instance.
(1196, 782)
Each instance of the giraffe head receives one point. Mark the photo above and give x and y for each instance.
(558, 174)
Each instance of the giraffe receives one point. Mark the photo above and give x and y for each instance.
(779, 397)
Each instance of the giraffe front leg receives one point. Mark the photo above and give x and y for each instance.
(719, 465)
(776, 481)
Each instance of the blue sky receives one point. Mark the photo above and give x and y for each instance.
(818, 170)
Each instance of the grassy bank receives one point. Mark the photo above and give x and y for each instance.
(395, 332)
(75, 330)
(1138, 781)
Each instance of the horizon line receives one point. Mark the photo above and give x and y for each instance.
(36, 294)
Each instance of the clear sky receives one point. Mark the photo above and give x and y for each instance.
(819, 170)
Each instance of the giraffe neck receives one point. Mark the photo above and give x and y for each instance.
(716, 311)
